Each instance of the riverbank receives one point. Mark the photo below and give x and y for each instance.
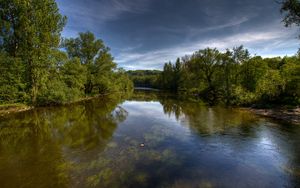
(282, 114)
(6, 109)
(13, 108)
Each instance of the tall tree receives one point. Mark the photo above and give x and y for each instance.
(206, 62)
(177, 74)
(30, 29)
(95, 56)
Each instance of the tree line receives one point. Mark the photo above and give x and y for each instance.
(234, 77)
(38, 66)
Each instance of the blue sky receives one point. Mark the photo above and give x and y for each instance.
(144, 34)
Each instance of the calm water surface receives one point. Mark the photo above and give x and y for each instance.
(187, 144)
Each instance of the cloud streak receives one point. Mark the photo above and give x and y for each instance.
(260, 43)
(144, 34)
(84, 15)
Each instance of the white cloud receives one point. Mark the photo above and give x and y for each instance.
(276, 41)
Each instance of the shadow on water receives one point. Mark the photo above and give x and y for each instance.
(97, 143)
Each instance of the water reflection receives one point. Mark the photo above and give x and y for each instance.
(186, 144)
(38, 148)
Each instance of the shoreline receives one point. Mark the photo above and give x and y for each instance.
(281, 114)
(7, 109)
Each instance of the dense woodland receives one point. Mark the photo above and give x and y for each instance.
(234, 77)
(38, 67)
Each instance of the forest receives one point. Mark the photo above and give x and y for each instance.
(39, 67)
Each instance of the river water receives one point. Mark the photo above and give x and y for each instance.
(149, 139)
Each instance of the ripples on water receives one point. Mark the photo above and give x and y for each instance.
(186, 144)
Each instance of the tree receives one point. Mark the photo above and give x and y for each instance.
(30, 29)
(270, 86)
(166, 77)
(64, 82)
(229, 74)
(251, 71)
(102, 74)
(12, 85)
(177, 74)
(291, 74)
(206, 63)
(74, 75)
(291, 9)
(95, 56)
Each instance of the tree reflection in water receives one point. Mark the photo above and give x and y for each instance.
(187, 144)
(42, 147)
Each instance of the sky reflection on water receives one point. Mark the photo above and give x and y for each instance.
(187, 144)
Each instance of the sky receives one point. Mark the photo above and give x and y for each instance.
(145, 34)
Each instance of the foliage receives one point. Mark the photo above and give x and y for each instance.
(12, 85)
(35, 70)
(144, 78)
(234, 77)
(95, 56)
(30, 29)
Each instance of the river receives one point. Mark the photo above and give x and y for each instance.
(149, 139)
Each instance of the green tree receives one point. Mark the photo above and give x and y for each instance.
(229, 74)
(74, 76)
(177, 74)
(30, 29)
(103, 70)
(251, 71)
(166, 79)
(206, 63)
(270, 86)
(291, 74)
(12, 85)
(95, 56)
